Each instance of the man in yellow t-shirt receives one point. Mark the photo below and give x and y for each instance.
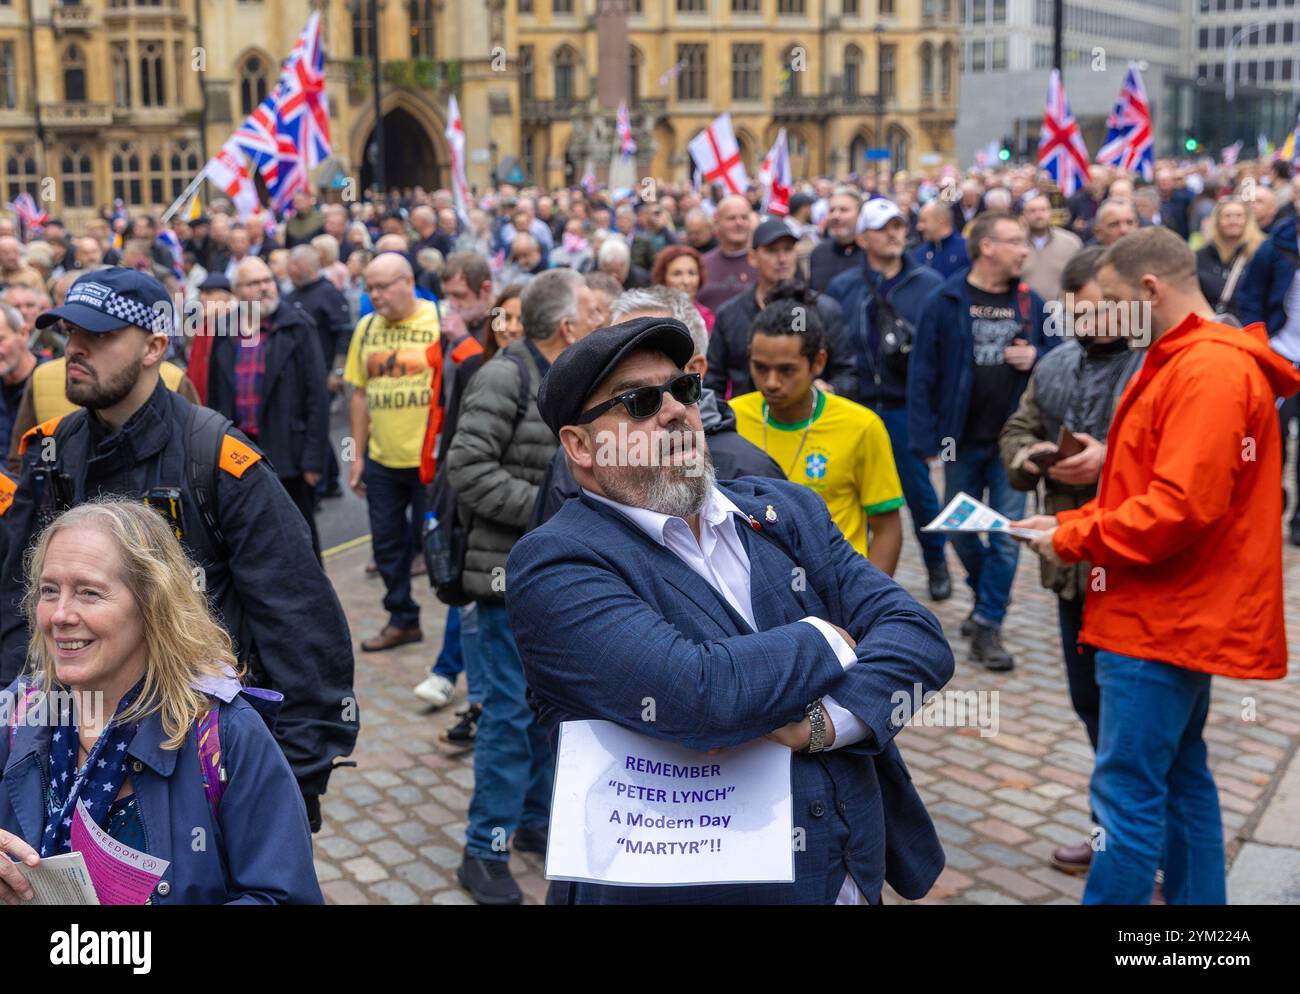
(389, 370)
(832, 445)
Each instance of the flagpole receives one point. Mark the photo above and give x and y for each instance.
(185, 195)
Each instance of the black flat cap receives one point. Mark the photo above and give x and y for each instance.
(579, 369)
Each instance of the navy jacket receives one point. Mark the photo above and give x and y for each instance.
(1261, 291)
(729, 347)
(881, 383)
(647, 625)
(939, 375)
(266, 585)
(257, 850)
(293, 419)
(946, 257)
(328, 308)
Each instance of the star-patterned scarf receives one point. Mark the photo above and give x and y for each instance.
(97, 782)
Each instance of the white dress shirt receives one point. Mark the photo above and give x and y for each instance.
(720, 558)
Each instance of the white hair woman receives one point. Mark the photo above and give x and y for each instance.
(130, 715)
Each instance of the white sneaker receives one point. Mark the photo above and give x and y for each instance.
(436, 690)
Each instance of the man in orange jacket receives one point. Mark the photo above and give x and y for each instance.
(1186, 580)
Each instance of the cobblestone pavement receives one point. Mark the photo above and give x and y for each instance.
(394, 827)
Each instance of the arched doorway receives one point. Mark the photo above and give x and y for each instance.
(409, 156)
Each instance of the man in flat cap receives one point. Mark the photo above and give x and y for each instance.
(660, 582)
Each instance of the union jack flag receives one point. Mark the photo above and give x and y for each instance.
(1129, 145)
(256, 139)
(31, 217)
(626, 143)
(302, 122)
(1061, 151)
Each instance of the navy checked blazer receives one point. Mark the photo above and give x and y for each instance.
(604, 617)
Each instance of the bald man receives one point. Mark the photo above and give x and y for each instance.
(388, 363)
(727, 269)
(941, 248)
(269, 379)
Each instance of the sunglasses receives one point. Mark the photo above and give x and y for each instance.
(645, 402)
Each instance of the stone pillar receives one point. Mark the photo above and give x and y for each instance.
(611, 48)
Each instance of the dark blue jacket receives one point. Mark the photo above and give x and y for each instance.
(264, 583)
(881, 383)
(1261, 291)
(946, 257)
(649, 626)
(729, 347)
(257, 848)
(939, 375)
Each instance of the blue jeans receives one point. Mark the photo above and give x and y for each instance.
(514, 766)
(918, 491)
(990, 562)
(467, 630)
(395, 501)
(451, 660)
(1151, 787)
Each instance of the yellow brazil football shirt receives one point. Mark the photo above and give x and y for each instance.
(389, 361)
(842, 452)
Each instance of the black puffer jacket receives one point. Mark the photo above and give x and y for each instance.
(495, 464)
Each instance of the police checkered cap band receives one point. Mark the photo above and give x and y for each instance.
(128, 311)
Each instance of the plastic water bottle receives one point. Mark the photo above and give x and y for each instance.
(437, 556)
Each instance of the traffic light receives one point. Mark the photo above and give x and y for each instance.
(1004, 154)
(1190, 144)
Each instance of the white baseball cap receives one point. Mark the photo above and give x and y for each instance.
(875, 214)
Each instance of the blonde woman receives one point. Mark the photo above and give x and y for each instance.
(1231, 241)
(130, 707)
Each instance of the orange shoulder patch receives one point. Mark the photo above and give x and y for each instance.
(7, 489)
(44, 429)
(236, 456)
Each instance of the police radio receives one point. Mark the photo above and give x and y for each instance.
(52, 491)
(167, 502)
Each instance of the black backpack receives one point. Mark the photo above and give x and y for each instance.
(444, 547)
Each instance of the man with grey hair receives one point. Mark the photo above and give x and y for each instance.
(732, 455)
(328, 309)
(17, 363)
(839, 251)
(1114, 220)
(496, 460)
(615, 259)
(270, 381)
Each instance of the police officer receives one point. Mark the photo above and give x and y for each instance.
(136, 438)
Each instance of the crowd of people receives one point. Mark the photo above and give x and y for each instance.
(883, 343)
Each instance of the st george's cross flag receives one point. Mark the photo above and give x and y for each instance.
(1061, 151)
(774, 177)
(717, 155)
(455, 135)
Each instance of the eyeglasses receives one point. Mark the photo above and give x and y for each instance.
(377, 288)
(645, 402)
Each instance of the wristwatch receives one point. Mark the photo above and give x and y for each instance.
(817, 720)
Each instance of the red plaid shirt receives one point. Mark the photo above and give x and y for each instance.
(250, 371)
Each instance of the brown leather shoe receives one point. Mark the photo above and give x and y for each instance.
(391, 638)
(1074, 859)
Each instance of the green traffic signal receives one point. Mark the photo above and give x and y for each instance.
(1004, 154)
(1191, 144)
